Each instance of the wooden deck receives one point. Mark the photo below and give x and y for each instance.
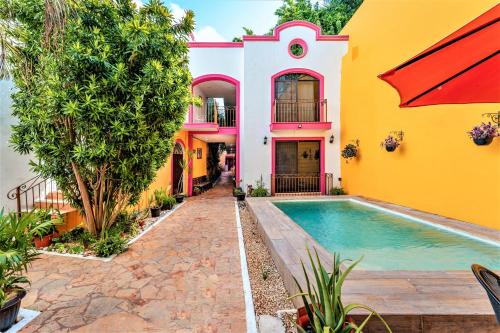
(412, 301)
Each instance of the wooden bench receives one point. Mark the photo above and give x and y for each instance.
(203, 183)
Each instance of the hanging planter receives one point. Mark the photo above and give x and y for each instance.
(392, 142)
(483, 135)
(350, 151)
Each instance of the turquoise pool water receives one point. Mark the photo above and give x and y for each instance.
(387, 241)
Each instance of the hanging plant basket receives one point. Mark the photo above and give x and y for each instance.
(483, 141)
(391, 143)
(390, 148)
(350, 151)
(483, 135)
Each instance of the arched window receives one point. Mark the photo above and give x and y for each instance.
(297, 98)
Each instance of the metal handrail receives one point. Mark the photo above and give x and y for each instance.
(301, 111)
(224, 116)
(36, 188)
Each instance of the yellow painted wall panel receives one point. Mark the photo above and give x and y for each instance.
(437, 169)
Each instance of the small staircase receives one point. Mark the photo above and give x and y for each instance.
(40, 193)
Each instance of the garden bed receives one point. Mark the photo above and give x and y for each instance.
(129, 228)
(269, 294)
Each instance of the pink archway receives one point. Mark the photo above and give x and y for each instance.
(236, 83)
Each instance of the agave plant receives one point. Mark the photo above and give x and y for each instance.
(323, 301)
(17, 250)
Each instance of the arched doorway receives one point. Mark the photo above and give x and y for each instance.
(177, 157)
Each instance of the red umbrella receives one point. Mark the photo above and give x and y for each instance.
(462, 68)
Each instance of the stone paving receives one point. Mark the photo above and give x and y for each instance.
(183, 276)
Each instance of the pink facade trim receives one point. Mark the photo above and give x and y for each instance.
(215, 44)
(322, 156)
(172, 163)
(307, 71)
(298, 126)
(235, 131)
(276, 35)
(207, 127)
(300, 42)
(190, 165)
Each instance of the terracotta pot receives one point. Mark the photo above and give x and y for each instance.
(45, 240)
(9, 312)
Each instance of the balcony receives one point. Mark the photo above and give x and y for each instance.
(301, 184)
(302, 114)
(212, 117)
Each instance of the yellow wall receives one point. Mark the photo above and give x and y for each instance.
(199, 165)
(164, 176)
(437, 169)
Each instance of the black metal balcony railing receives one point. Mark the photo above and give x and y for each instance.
(224, 116)
(302, 111)
(299, 183)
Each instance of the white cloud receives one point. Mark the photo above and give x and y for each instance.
(202, 34)
(208, 34)
(177, 11)
(138, 3)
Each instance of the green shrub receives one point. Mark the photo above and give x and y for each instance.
(260, 190)
(337, 191)
(109, 244)
(76, 249)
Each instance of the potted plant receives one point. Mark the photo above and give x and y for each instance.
(16, 253)
(240, 195)
(323, 309)
(44, 238)
(350, 151)
(154, 207)
(236, 187)
(483, 134)
(390, 143)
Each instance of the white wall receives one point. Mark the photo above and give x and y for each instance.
(254, 65)
(14, 168)
(263, 59)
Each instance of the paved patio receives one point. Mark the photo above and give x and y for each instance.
(183, 276)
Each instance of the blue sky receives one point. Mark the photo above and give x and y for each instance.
(221, 20)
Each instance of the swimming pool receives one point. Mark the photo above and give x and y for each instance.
(387, 241)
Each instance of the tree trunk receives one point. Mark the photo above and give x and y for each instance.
(87, 206)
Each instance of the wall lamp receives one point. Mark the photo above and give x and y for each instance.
(265, 140)
(332, 138)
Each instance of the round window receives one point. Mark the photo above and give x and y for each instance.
(297, 48)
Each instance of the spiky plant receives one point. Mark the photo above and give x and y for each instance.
(323, 300)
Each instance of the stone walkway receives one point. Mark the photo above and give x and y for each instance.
(183, 276)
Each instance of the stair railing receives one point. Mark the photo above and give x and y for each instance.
(34, 193)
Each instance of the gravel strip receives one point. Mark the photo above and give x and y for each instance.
(268, 290)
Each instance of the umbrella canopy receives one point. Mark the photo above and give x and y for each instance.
(462, 68)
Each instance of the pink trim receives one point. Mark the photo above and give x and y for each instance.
(190, 166)
(215, 44)
(299, 126)
(172, 164)
(236, 131)
(321, 150)
(207, 127)
(307, 71)
(302, 43)
(276, 35)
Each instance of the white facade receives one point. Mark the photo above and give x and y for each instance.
(253, 63)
